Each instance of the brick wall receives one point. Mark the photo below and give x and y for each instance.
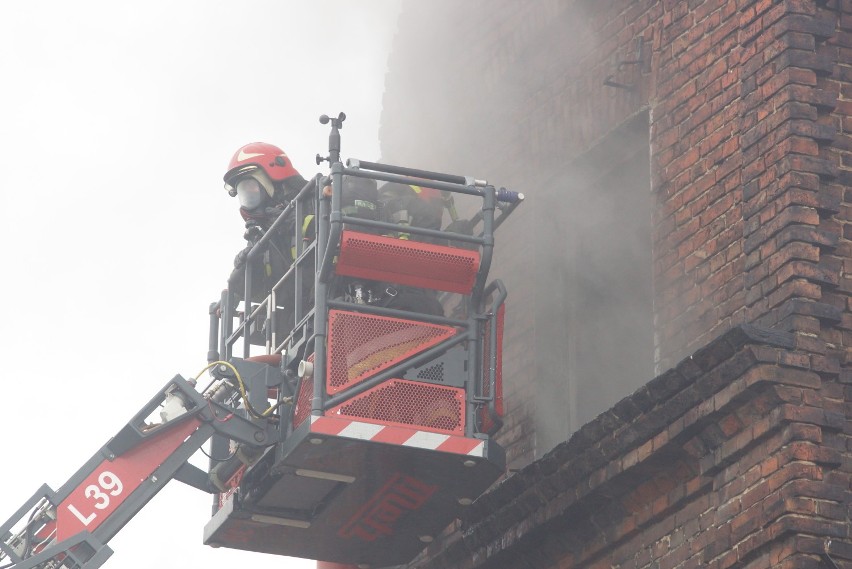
(737, 457)
(696, 168)
(743, 460)
(746, 170)
(475, 88)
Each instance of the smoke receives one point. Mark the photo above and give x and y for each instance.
(510, 93)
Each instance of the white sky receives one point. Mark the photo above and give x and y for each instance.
(117, 121)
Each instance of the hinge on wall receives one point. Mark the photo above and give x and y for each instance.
(638, 60)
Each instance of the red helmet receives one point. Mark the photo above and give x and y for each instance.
(267, 157)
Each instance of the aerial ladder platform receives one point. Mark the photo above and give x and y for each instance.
(342, 427)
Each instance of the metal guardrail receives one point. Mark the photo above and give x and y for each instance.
(307, 331)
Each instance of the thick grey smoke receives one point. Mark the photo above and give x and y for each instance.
(502, 91)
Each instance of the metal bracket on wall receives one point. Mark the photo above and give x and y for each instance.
(638, 60)
(826, 558)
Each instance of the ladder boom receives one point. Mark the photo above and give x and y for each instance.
(71, 527)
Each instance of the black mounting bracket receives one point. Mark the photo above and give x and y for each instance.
(638, 60)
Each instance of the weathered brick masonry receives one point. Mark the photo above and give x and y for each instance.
(739, 455)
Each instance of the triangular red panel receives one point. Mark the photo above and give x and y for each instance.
(361, 345)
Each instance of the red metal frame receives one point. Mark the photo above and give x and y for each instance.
(405, 262)
(487, 424)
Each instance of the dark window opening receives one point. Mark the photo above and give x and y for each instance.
(597, 308)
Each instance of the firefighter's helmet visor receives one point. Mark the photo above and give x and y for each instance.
(250, 193)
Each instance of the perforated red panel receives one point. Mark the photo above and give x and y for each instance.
(405, 262)
(487, 424)
(409, 403)
(303, 403)
(361, 345)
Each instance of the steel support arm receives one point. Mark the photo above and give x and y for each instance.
(75, 523)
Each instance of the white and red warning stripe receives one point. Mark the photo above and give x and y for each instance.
(397, 435)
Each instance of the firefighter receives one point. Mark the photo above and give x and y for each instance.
(409, 205)
(412, 206)
(263, 179)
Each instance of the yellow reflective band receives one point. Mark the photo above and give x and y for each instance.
(306, 223)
